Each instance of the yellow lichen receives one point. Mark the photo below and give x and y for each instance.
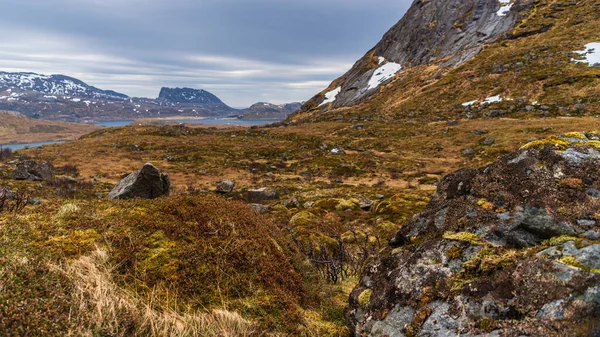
(365, 297)
(559, 144)
(483, 203)
(454, 253)
(464, 237)
(560, 240)
(577, 135)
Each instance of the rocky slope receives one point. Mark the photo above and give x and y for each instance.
(446, 33)
(506, 250)
(470, 59)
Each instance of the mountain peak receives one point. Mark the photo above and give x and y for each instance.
(188, 95)
(445, 33)
(54, 85)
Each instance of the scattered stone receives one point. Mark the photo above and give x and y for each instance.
(31, 170)
(262, 194)
(358, 126)
(147, 183)
(338, 151)
(365, 203)
(308, 204)
(291, 203)
(469, 152)
(488, 141)
(478, 132)
(226, 186)
(260, 208)
(453, 123)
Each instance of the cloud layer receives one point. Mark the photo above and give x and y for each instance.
(242, 51)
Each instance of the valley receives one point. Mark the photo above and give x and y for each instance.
(446, 185)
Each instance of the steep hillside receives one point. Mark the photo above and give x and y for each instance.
(480, 58)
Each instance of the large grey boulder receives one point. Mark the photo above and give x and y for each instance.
(31, 170)
(147, 183)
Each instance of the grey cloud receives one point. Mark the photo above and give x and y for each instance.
(243, 51)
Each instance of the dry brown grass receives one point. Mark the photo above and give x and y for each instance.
(17, 128)
(102, 307)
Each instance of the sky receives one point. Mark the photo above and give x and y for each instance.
(243, 51)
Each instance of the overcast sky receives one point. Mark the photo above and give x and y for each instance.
(244, 51)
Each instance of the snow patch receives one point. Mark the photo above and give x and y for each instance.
(331, 96)
(493, 99)
(591, 54)
(505, 6)
(469, 103)
(381, 60)
(384, 73)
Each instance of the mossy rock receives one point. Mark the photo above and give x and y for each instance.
(335, 204)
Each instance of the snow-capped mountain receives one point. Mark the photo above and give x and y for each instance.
(188, 95)
(55, 85)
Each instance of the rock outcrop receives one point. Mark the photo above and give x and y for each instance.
(506, 250)
(147, 183)
(445, 33)
(31, 170)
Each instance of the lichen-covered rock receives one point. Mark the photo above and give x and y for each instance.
(506, 250)
(31, 170)
(147, 183)
(225, 186)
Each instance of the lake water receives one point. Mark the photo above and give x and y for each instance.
(114, 124)
(20, 146)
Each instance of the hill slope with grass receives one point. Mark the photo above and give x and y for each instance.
(540, 63)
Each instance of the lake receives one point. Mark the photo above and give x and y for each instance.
(20, 146)
(114, 124)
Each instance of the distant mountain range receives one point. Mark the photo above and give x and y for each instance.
(264, 110)
(55, 85)
(60, 97)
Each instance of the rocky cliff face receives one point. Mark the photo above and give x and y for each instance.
(441, 32)
(510, 249)
(187, 95)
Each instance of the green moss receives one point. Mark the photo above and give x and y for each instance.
(560, 240)
(559, 144)
(304, 219)
(334, 204)
(463, 237)
(490, 259)
(365, 297)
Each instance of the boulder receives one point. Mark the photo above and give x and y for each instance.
(147, 183)
(226, 186)
(31, 170)
(504, 250)
(262, 194)
(260, 208)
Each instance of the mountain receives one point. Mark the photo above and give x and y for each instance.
(64, 98)
(54, 85)
(264, 110)
(473, 58)
(188, 95)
